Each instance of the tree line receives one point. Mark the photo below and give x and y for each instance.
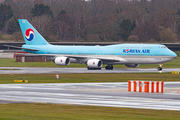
(94, 20)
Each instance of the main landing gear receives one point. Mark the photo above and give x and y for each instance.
(109, 67)
(93, 68)
(160, 67)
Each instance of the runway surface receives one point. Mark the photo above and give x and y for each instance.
(96, 94)
(39, 70)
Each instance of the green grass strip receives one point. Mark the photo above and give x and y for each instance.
(74, 112)
(85, 78)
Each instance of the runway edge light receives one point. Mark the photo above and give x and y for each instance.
(57, 76)
(175, 72)
(11, 73)
(25, 81)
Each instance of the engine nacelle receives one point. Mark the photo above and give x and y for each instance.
(132, 65)
(94, 63)
(62, 61)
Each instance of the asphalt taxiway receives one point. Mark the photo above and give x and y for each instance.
(96, 94)
(40, 70)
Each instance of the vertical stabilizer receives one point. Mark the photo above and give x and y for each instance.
(30, 34)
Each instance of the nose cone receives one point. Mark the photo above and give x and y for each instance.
(173, 54)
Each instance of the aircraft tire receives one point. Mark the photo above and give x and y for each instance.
(93, 68)
(159, 68)
(109, 67)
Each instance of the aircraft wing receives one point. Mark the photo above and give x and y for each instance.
(104, 59)
(83, 58)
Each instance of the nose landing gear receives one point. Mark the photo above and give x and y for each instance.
(160, 67)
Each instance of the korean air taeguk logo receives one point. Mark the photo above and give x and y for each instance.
(29, 34)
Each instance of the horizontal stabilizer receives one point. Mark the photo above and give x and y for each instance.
(22, 48)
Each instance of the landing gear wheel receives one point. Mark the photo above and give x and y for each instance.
(93, 68)
(109, 67)
(159, 68)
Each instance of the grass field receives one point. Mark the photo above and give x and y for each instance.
(73, 112)
(84, 78)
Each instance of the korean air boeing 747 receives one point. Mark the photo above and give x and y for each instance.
(95, 56)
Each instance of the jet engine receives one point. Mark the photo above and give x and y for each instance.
(62, 61)
(94, 64)
(132, 65)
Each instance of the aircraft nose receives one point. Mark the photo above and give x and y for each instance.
(173, 54)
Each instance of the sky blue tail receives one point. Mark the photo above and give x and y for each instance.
(30, 34)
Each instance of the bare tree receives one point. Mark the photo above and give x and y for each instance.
(168, 36)
(143, 19)
(101, 18)
(41, 23)
(167, 19)
(61, 30)
(103, 27)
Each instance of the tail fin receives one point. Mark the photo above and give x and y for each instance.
(30, 34)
